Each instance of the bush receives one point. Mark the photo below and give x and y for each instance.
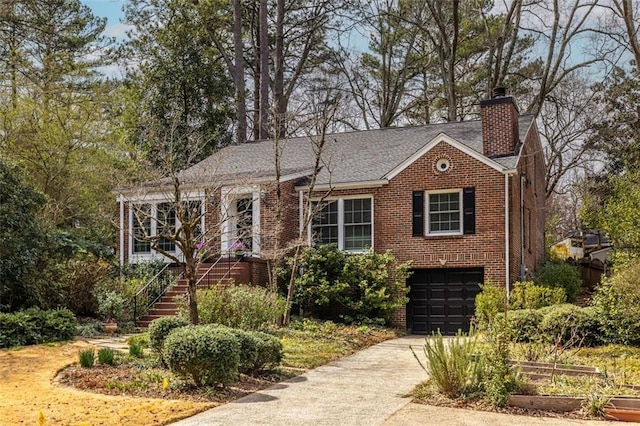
(159, 329)
(106, 356)
(491, 300)
(454, 368)
(361, 288)
(500, 378)
(111, 305)
(34, 326)
(237, 306)
(270, 352)
(571, 324)
(528, 295)
(136, 350)
(554, 274)
(87, 358)
(208, 354)
(617, 302)
(523, 325)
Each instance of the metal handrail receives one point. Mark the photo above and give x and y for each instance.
(153, 290)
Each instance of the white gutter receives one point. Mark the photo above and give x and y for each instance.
(345, 185)
(121, 201)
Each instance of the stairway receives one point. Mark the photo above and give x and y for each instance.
(222, 273)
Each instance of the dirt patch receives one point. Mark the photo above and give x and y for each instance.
(28, 388)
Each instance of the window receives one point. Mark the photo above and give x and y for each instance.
(141, 228)
(445, 214)
(152, 220)
(325, 224)
(244, 222)
(450, 212)
(166, 224)
(357, 224)
(345, 222)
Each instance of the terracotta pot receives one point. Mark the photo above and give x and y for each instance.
(109, 327)
(622, 414)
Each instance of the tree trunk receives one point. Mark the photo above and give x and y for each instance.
(264, 72)
(280, 102)
(238, 74)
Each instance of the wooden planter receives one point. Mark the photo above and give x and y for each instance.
(557, 403)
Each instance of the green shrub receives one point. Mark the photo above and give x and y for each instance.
(554, 274)
(617, 302)
(523, 324)
(454, 368)
(500, 378)
(141, 340)
(159, 329)
(361, 288)
(270, 352)
(491, 300)
(208, 354)
(111, 305)
(136, 350)
(528, 295)
(87, 358)
(106, 356)
(571, 325)
(34, 326)
(237, 306)
(92, 329)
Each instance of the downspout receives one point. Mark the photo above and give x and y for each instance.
(121, 201)
(506, 233)
(523, 268)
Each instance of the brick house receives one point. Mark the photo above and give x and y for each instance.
(464, 201)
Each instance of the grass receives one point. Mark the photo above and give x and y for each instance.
(310, 344)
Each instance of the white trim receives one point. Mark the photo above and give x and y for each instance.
(367, 184)
(442, 137)
(156, 197)
(340, 200)
(121, 239)
(229, 194)
(428, 232)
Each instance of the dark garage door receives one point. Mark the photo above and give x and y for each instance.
(442, 299)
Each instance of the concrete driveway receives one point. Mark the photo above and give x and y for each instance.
(367, 388)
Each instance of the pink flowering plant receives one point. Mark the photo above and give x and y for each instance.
(238, 247)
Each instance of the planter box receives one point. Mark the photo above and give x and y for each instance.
(540, 370)
(561, 404)
(623, 409)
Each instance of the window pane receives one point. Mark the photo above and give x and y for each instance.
(357, 224)
(324, 226)
(444, 212)
(141, 228)
(166, 225)
(244, 222)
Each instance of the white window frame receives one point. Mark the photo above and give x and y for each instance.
(228, 212)
(154, 255)
(340, 201)
(428, 213)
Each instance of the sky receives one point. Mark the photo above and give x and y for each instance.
(112, 10)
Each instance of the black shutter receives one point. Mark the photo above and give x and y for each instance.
(418, 213)
(469, 207)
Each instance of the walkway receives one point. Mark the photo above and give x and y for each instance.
(363, 389)
(367, 388)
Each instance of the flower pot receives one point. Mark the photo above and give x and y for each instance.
(109, 327)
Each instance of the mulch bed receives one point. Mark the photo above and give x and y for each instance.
(148, 383)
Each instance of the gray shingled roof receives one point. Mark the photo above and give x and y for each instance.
(351, 157)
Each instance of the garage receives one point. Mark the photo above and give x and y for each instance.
(442, 299)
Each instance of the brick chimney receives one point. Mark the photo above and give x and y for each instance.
(499, 117)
